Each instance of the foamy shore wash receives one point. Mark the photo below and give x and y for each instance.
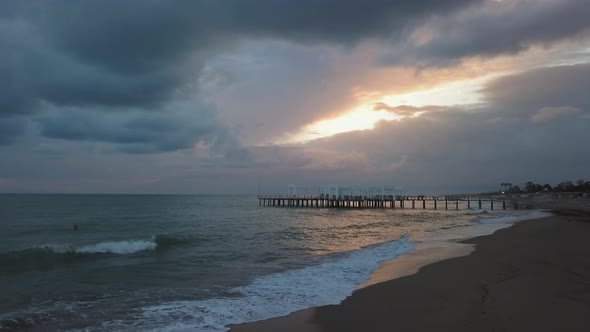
(279, 294)
(284, 293)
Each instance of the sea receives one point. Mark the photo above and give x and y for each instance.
(197, 262)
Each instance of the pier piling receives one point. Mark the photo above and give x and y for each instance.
(378, 202)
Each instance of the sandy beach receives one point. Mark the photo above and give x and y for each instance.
(533, 276)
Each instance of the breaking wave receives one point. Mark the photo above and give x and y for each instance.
(49, 255)
(118, 247)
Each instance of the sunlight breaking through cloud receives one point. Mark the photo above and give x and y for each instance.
(366, 116)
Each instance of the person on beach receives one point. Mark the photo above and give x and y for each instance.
(75, 228)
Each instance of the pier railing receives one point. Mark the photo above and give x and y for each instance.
(448, 202)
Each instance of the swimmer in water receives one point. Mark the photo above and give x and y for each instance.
(75, 228)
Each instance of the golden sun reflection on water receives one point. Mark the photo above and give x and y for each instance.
(338, 231)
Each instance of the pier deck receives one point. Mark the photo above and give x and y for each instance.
(392, 202)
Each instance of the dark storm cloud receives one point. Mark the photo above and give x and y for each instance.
(128, 43)
(133, 35)
(133, 132)
(545, 87)
(505, 27)
(141, 54)
(33, 72)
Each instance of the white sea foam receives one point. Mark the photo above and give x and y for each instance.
(110, 247)
(277, 294)
(119, 247)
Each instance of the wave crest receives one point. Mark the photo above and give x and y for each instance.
(118, 247)
(47, 256)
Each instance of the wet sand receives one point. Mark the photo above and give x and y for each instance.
(533, 276)
(411, 262)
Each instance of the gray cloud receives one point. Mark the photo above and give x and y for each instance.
(407, 110)
(129, 77)
(143, 34)
(497, 28)
(463, 149)
(276, 87)
(10, 128)
(34, 72)
(520, 95)
(137, 131)
(141, 54)
(551, 113)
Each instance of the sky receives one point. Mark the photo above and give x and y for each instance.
(215, 97)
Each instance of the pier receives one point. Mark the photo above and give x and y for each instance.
(390, 202)
(377, 197)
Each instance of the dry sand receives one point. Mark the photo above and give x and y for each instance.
(533, 276)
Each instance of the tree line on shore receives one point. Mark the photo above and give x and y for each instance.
(531, 187)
